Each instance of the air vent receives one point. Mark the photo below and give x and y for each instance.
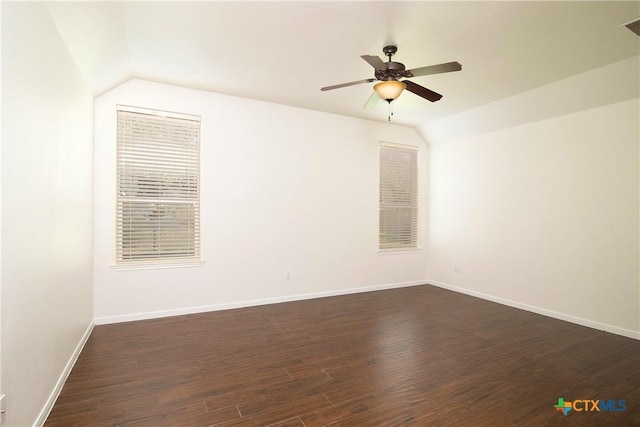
(633, 25)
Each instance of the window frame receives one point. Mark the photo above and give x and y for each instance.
(415, 243)
(191, 204)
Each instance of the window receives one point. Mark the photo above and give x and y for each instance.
(158, 185)
(398, 196)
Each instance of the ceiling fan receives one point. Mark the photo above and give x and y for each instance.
(389, 73)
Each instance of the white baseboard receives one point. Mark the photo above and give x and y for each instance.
(44, 413)
(545, 312)
(247, 303)
(250, 303)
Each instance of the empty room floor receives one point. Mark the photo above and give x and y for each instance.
(420, 356)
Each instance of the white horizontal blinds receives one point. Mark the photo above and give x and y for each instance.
(398, 196)
(158, 201)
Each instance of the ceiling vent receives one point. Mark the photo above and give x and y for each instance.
(633, 25)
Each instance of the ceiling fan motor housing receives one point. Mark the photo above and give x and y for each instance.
(393, 71)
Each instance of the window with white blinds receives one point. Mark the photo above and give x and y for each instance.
(158, 187)
(398, 196)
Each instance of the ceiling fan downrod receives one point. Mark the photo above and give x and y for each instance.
(389, 51)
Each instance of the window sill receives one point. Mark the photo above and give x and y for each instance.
(399, 251)
(156, 266)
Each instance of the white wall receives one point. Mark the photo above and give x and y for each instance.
(46, 211)
(283, 189)
(544, 215)
(1, 392)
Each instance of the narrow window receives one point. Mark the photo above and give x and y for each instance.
(158, 186)
(398, 196)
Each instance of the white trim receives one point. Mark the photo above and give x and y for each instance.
(159, 113)
(399, 251)
(299, 297)
(154, 265)
(248, 303)
(184, 136)
(48, 406)
(398, 145)
(418, 151)
(629, 333)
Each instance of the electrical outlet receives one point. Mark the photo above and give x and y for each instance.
(457, 269)
(288, 275)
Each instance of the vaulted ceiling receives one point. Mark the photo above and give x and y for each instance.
(283, 52)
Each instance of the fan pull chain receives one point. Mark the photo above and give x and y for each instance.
(390, 112)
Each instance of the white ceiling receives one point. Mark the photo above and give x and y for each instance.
(283, 52)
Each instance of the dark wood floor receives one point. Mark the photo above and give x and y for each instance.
(419, 356)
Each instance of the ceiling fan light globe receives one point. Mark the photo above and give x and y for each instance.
(389, 90)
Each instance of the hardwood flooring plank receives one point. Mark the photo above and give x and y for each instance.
(417, 356)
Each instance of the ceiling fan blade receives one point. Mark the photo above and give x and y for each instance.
(422, 91)
(372, 101)
(347, 84)
(436, 69)
(374, 61)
